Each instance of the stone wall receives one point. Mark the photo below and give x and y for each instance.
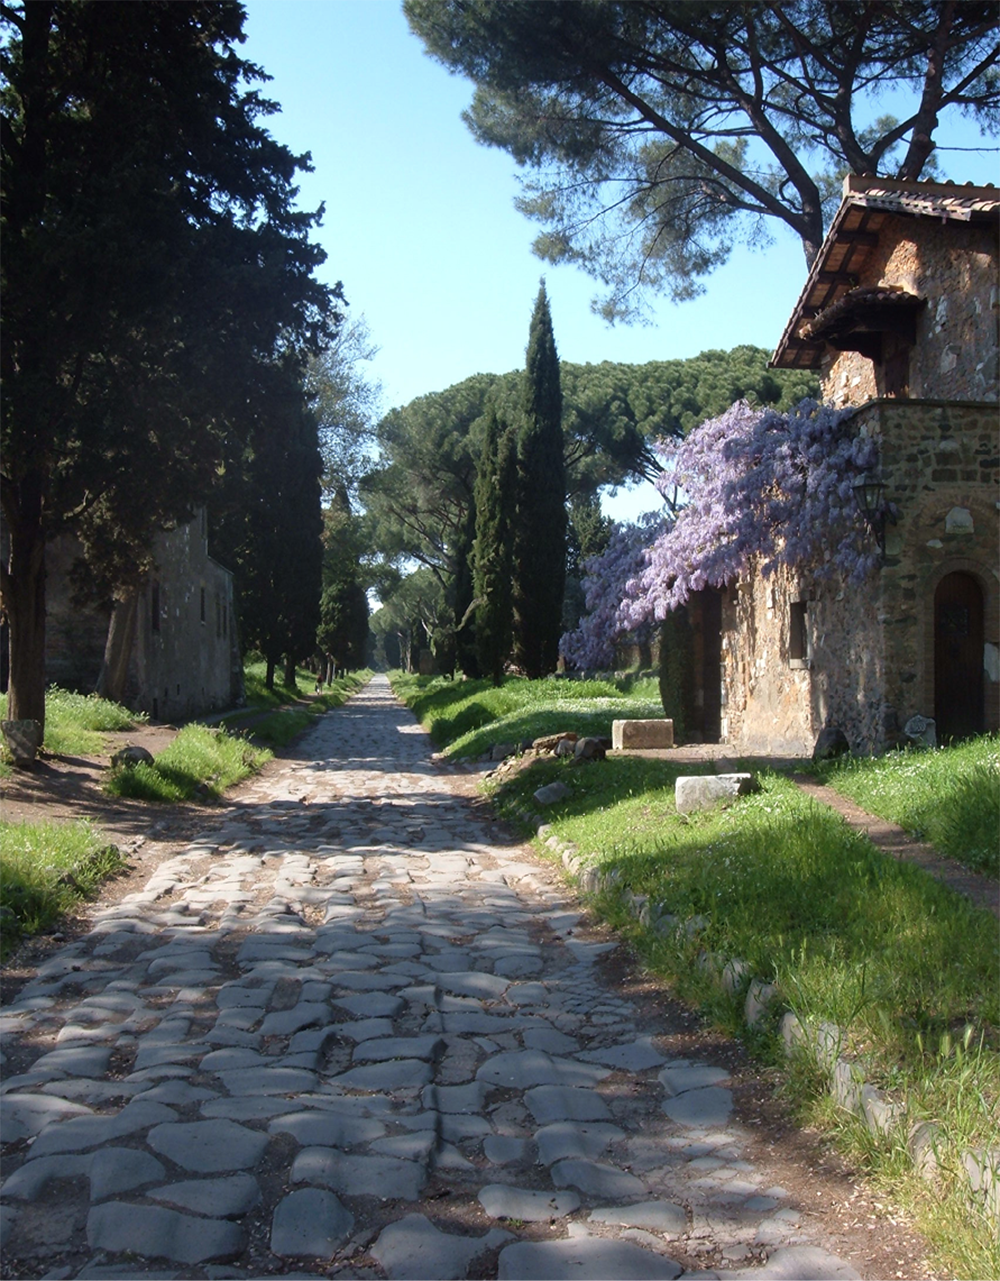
(941, 467)
(775, 701)
(954, 268)
(869, 660)
(186, 656)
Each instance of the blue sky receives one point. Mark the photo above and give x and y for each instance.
(420, 225)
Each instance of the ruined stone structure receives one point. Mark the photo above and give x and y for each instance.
(900, 313)
(184, 657)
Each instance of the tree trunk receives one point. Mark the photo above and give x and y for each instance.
(118, 648)
(24, 604)
(269, 674)
(289, 674)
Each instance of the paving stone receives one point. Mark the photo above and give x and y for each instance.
(551, 1040)
(394, 1075)
(568, 1139)
(219, 1198)
(565, 1103)
(152, 1231)
(456, 1098)
(596, 1179)
(795, 1262)
(328, 1129)
(113, 1170)
(383, 1176)
(372, 1004)
(501, 1201)
(398, 1047)
(305, 1014)
(75, 1060)
(413, 1249)
(24, 1115)
(504, 1149)
(84, 1132)
(477, 983)
(634, 1057)
(693, 1076)
(29, 1181)
(706, 1108)
(586, 1259)
(208, 1147)
(269, 1080)
(520, 1069)
(654, 1216)
(310, 1223)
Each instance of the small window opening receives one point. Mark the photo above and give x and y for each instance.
(798, 633)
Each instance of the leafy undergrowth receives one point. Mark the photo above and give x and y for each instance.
(907, 967)
(45, 870)
(199, 764)
(75, 724)
(949, 796)
(466, 717)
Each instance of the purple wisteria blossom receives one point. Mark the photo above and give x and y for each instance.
(762, 486)
(592, 644)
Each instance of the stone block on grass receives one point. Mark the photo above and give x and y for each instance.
(631, 735)
(705, 791)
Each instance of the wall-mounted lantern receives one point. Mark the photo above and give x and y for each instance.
(869, 494)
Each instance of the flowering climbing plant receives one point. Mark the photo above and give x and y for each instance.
(592, 644)
(761, 486)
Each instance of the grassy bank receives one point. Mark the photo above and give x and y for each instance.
(46, 869)
(949, 796)
(199, 764)
(908, 968)
(75, 724)
(466, 717)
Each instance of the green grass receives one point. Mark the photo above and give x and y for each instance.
(199, 764)
(45, 870)
(949, 796)
(76, 723)
(907, 967)
(466, 717)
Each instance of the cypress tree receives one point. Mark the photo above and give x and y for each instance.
(496, 497)
(540, 544)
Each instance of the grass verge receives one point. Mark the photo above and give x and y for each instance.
(949, 796)
(199, 764)
(284, 722)
(76, 723)
(466, 717)
(905, 966)
(45, 870)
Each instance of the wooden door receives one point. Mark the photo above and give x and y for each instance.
(958, 657)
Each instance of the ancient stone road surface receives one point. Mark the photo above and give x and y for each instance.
(347, 1033)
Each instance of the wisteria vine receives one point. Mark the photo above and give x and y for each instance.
(761, 487)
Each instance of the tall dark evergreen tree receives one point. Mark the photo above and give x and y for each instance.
(496, 506)
(540, 539)
(466, 654)
(153, 258)
(271, 529)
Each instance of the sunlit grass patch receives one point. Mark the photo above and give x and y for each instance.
(466, 717)
(76, 723)
(45, 870)
(949, 796)
(200, 763)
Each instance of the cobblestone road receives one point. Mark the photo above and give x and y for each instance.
(349, 1032)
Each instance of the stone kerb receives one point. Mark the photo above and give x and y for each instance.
(631, 735)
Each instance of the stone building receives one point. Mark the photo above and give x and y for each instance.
(184, 656)
(900, 315)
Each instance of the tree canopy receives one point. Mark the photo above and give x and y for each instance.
(656, 134)
(153, 259)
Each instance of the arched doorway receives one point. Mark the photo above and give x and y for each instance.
(958, 657)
